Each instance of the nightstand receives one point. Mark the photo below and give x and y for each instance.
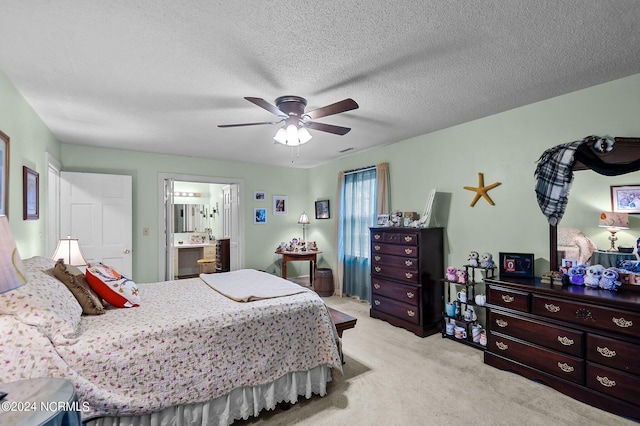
(41, 401)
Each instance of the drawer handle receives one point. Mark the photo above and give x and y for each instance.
(408, 251)
(502, 323)
(605, 381)
(502, 346)
(376, 236)
(621, 322)
(507, 298)
(565, 341)
(411, 313)
(410, 295)
(585, 314)
(606, 352)
(565, 367)
(377, 258)
(408, 274)
(376, 286)
(378, 269)
(408, 262)
(376, 248)
(376, 302)
(551, 307)
(408, 238)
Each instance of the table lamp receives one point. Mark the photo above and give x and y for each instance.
(304, 221)
(614, 222)
(11, 269)
(69, 250)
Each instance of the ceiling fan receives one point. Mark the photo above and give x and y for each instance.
(290, 110)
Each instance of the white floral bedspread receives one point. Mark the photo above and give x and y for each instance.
(186, 343)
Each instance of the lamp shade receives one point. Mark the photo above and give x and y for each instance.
(69, 250)
(304, 219)
(11, 268)
(614, 220)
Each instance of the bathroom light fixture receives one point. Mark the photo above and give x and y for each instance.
(304, 221)
(11, 269)
(69, 250)
(614, 222)
(187, 194)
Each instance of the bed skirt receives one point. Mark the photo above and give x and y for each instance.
(240, 403)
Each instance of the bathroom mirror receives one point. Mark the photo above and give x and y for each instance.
(190, 217)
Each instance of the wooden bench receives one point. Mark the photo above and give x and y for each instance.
(342, 322)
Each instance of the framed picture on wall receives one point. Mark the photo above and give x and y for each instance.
(625, 199)
(30, 194)
(4, 174)
(279, 204)
(259, 216)
(259, 196)
(322, 209)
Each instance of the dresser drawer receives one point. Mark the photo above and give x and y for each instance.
(614, 353)
(403, 274)
(401, 262)
(391, 237)
(613, 382)
(599, 317)
(554, 337)
(558, 364)
(508, 298)
(398, 309)
(380, 248)
(402, 292)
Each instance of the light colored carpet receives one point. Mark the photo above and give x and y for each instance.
(392, 377)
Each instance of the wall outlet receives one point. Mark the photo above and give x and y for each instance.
(145, 231)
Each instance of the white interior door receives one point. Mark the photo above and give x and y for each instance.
(97, 210)
(231, 219)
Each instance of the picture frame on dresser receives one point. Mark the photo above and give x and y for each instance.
(516, 264)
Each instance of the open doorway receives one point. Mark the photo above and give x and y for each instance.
(211, 215)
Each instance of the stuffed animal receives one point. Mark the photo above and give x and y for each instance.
(609, 279)
(462, 276)
(576, 275)
(592, 275)
(452, 274)
(487, 261)
(474, 258)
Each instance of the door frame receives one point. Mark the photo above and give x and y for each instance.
(200, 179)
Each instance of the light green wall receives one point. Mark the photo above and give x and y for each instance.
(504, 147)
(30, 140)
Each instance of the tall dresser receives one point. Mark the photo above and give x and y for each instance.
(222, 255)
(406, 266)
(581, 341)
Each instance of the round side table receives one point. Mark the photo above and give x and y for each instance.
(41, 401)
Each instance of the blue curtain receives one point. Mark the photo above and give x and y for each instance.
(357, 215)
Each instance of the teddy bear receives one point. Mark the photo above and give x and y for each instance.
(462, 276)
(576, 275)
(452, 274)
(592, 275)
(487, 261)
(609, 279)
(474, 258)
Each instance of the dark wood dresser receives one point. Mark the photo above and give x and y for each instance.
(406, 266)
(222, 255)
(582, 342)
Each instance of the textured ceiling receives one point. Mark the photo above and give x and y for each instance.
(159, 76)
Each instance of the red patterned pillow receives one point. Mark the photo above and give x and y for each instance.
(115, 288)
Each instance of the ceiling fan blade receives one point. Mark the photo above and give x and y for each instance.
(266, 105)
(247, 124)
(329, 128)
(338, 107)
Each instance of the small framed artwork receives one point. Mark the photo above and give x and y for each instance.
(30, 194)
(625, 199)
(4, 174)
(259, 196)
(279, 204)
(259, 216)
(322, 209)
(382, 220)
(516, 264)
(568, 264)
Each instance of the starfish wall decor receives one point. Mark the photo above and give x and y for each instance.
(481, 190)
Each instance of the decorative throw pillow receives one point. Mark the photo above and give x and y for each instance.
(113, 287)
(76, 281)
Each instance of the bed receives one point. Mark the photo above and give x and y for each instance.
(188, 353)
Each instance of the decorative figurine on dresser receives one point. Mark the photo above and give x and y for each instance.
(407, 265)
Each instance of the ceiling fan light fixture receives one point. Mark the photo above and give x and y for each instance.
(291, 135)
